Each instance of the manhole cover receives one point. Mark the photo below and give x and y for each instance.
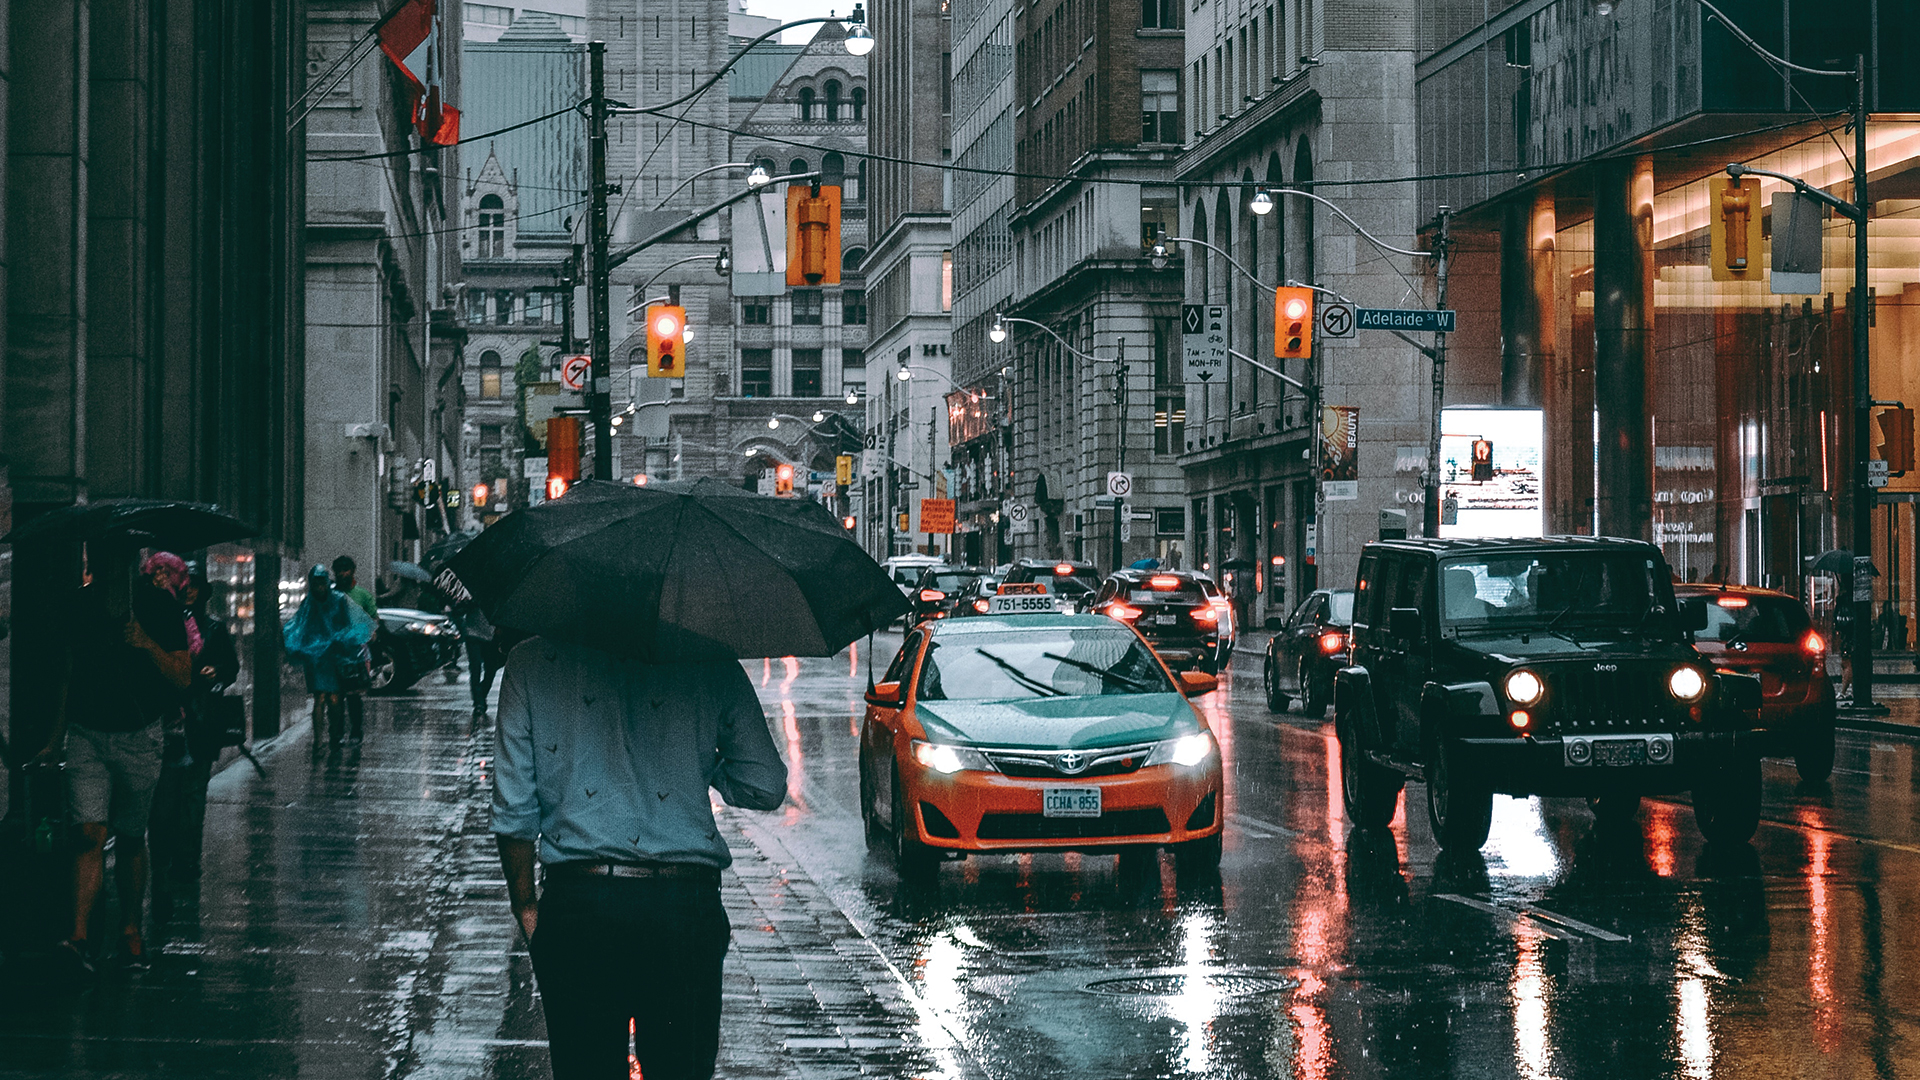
(1174, 984)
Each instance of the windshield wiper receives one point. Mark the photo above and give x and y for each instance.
(1022, 677)
(1100, 671)
(1553, 624)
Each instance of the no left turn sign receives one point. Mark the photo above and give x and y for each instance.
(573, 372)
(1336, 320)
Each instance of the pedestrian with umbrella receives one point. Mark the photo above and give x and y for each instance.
(616, 720)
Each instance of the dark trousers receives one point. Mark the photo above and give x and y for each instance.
(176, 824)
(483, 663)
(609, 951)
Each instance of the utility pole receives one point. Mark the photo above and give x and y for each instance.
(933, 417)
(1431, 515)
(1865, 495)
(599, 347)
(1120, 438)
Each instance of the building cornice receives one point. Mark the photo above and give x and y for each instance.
(1283, 107)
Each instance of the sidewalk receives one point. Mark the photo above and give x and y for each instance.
(352, 920)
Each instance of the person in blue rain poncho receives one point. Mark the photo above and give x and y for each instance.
(328, 636)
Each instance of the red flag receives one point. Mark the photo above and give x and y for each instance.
(402, 32)
(437, 122)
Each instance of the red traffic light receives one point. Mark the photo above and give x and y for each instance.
(556, 486)
(847, 523)
(479, 494)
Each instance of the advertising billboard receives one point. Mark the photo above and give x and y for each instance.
(1503, 496)
(1340, 452)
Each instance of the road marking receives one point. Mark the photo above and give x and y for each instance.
(1546, 922)
(1254, 824)
(1571, 923)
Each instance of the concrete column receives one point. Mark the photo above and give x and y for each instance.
(1526, 300)
(46, 234)
(1623, 342)
(120, 396)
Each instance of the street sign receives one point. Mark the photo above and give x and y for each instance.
(1203, 340)
(1126, 529)
(1876, 473)
(1119, 484)
(573, 372)
(1336, 320)
(936, 515)
(534, 468)
(1020, 517)
(1403, 319)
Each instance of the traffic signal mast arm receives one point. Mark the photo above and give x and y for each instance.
(1276, 373)
(617, 258)
(1850, 210)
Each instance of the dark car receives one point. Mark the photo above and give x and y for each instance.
(1769, 634)
(1170, 610)
(1307, 650)
(938, 590)
(975, 597)
(411, 644)
(1542, 666)
(1073, 581)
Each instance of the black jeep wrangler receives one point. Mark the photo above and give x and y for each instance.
(1540, 666)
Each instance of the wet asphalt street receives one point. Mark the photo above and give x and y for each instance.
(352, 923)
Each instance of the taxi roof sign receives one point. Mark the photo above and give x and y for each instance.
(1022, 588)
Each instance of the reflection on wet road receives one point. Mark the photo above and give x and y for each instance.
(1561, 951)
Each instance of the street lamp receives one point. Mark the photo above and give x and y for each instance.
(997, 333)
(759, 177)
(1262, 203)
(859, 39)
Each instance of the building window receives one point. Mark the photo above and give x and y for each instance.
(490, 379)
(1160, 106)
(503, 307)
(946, 280)
(808, 307)
(833, 169)
(756, 311)
(856, 191)
(859, 103)
(487, 14)
(1160, 14)
(806, 103)
(490, 437)
(853, 308)
(493, 227)
(1169, 424)
(797, 166)
(833, 100)
(854, 258)
(476, 306)
(756, 372)
(768, 164)
(806, 372)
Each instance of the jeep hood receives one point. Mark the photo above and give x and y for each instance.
(1546, 648)
(1076, 722)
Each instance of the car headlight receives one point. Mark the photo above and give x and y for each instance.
(1687, 684)
(1525, 688)
(422, 628)
(1187, 750)
(942, 758)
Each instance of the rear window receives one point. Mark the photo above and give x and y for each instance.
(1342, 613)
(1187, 593)
(948, 583)
(1757, 620)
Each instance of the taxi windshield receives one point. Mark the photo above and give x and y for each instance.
(1587, 588)
(1062, 662)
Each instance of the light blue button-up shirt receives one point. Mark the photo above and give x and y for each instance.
(610, 759)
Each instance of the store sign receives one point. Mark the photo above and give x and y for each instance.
(1510, 501)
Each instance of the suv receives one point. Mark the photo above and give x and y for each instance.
(1769, 634)
(1540, 666)
(939, 590)
(1072, 581)
(1170, 610)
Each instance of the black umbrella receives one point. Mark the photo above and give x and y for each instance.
(679, 571)
(409, 572)
(165, 523)
(1838, 561)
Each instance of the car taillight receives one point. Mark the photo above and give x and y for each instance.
(981, 606)
(1206, 615)
(932, 595)
(1063, 569)
(1813, 643)
(1164, 581)
(1123, 612)
(1332, 642)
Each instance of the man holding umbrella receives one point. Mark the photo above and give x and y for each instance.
(616, 720)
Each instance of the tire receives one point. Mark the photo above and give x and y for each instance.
(386, 671)
(1370, 792)
(1814, 757)
(1461, 813)
(1726, 802)
(913, 859)
(1277, 702)
(1198, 856)
(1313, 696)
(869, 824)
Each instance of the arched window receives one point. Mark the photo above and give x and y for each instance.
(493, 229)
(806, 103)
(850, 262)
(490, 374)
(833, 168)
(859, 189)
(833, 100)
(797, 166)
(859, 103)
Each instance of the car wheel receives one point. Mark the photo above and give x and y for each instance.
(1313, 696)
(1277, 702)
(1726, 801)
(1814, 758)
(1460, 811)
(1197, 856)
(869, 822)
(386, 671)
(1370, 792)
(911, 858)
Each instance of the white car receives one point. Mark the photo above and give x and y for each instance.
(905, 570)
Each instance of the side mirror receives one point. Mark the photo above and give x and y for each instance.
(1275, 622)
(1405, 623)
(887, 694)
(1693, 615)
(1196, 683)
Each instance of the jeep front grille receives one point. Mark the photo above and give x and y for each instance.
(1632, 698)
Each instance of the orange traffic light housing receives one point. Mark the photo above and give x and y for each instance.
(557, 486)
(666, 341)
(783, 480)
(1482, 460)
(1734, 230)
(813, 235)
(1292, 323)
(1896, 439)
(479, 495)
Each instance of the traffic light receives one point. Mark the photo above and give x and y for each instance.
(479, 496)
(1896, 439)
(557, 486)
(843, 470)
(1482, 460)
(813, 235)
(783, 481)
(1292, 323)
(666, 341)
(1734, 230)
(848, 523)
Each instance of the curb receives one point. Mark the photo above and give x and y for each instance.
(1878, 727)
